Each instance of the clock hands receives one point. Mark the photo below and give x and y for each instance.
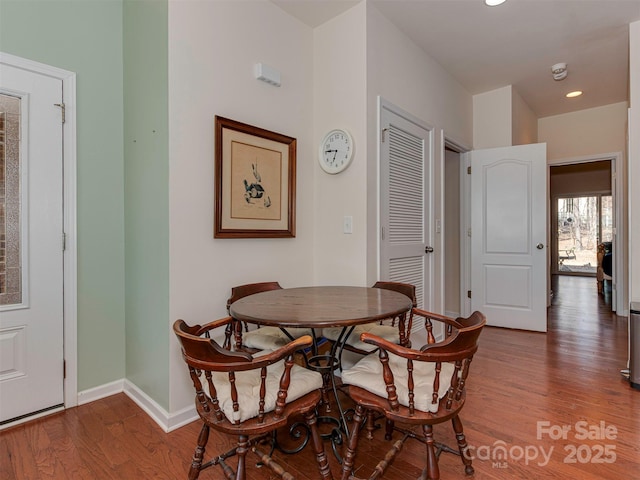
(335, 152)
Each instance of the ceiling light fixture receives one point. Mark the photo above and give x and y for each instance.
(559, 71)
(494, 3)
(577, 93)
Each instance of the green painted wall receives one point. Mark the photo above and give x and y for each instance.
(146, 151)
(86, 37)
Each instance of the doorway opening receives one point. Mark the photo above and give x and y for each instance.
(599, 176)
(583, 223)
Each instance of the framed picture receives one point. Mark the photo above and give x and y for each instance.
(255, 178)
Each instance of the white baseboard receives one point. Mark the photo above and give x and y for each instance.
(182, 418)
(102, 391)
(165, 420)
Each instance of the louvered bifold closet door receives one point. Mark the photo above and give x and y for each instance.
(406, 158)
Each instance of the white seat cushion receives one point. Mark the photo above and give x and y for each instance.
(303, 381)
(271, 338)
(367, 374)
(384, 331)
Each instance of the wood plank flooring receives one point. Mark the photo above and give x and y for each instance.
(519, 382)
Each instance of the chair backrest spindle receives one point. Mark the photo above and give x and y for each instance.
(411, 387)
(388, 379)
(263, 393)
(234, 397)
(285, 381)
(405, 320)
(436, 383)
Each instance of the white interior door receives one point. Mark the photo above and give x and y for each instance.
(509, 236)
(31, 268)
(406, 163)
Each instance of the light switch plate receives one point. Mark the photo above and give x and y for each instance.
(348, 224)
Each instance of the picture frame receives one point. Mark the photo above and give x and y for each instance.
(255, 182)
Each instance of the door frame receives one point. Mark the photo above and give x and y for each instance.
(618, 182)
(70, 254)
(464, 222)
(434, 297)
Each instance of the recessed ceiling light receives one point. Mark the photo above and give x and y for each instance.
(577, 93)
(493, 3)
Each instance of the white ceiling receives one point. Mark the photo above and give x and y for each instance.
(516, 43)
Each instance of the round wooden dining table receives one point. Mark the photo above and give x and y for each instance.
(317, 308)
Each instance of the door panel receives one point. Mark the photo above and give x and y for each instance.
(508, 236)
(508, 204)
(406, 159)
(31, 307)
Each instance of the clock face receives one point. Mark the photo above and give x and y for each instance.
(336, 151)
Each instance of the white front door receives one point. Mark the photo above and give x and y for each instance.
(406, 199)
(31, 267)
(509, 236)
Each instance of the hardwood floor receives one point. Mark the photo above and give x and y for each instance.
(519, 383)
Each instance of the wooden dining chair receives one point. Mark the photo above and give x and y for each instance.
(414, 387)
(261, 338)
(248, 396)
(403, 321)
(395, 330)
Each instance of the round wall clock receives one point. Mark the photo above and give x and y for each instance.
(336, 151)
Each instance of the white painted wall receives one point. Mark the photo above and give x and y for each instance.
(585, 132)
(634, 163)
(339, 59)
(492, 118)
(406, 76)
(501, 118)
(524, 122)
(401, 73)
(212, 49)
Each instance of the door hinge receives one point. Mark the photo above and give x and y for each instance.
(469, 170)
(384, 130)
(64, 241)
(64, 369)
(469, 232)
(468, 293)
(63, 108)
(382, 233)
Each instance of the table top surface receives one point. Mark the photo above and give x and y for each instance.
(317, 307)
